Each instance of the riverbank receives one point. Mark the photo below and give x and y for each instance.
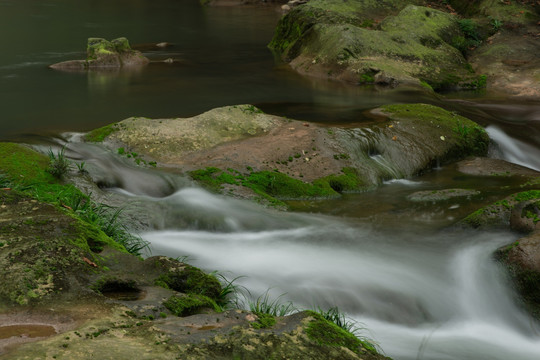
(72, 286)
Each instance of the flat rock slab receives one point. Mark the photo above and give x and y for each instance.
(441, 195)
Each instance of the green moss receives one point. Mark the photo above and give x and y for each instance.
(185, 305)
(264, 321)
(470, 137)
(526, 195)
(346, 182)
(327, 333)
(274, 186)
(98, 46)
(27, 171)
(426, 85)
(281, 186)
(190, 280)
(99, 134)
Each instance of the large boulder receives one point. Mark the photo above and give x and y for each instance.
(403, 140)
(362, 41)
(103, 54)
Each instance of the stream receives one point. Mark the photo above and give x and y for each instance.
(420, 287)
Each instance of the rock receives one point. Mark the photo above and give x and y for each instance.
(480, 166)
(341, 40)
(510, 61)
(525, 217)
(507, 52)
(441, 195)
(310, 159)
(497, 215)
(522, 259)
(103, 54)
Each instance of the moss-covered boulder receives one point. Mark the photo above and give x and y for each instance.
(498, 214)
(104, 54)
(240, 150)
(369, 42)
(411, 138)
(522, 259)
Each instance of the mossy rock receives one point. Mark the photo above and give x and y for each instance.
(441, 195)
(185, 278)
(189, 304)
(104, 54)
(522, 259)
(328, 37)
(304, 335)
(325, 332)
(497, 215)
(44, 251)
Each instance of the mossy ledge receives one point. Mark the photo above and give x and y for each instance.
(362, 42)
(275, 186)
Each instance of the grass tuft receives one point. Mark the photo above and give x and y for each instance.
(59, 165)
(265, 305)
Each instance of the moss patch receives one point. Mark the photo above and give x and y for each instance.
(190, 280)
(275, 186)
(470, 137)
(26, 171)
(264, 321)
(498, 214)
(99, 134)
(325, 332)
(185, 305)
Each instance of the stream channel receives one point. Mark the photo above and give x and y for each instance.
(421, 288)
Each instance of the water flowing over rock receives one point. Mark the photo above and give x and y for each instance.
(102, 55)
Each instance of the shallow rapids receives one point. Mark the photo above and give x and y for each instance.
(420, 296)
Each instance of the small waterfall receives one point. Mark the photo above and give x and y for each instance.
(513, 150)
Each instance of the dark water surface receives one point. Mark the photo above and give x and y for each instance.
(222, 60)
(423, 290)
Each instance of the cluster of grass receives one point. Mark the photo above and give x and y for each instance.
(331, 327)
(39, 177)
(106, 218)
(275, 307)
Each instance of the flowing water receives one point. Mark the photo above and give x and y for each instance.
(422, 288)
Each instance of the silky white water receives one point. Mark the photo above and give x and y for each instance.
(421, 292)
(437, 295)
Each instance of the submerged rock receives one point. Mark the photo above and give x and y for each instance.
(103, 54)
(441, 195)
(384, 42)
